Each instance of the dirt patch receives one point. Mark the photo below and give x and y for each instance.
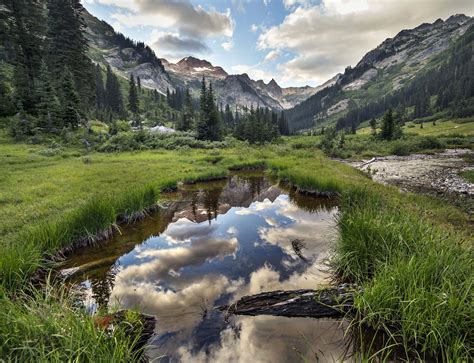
(434, 174)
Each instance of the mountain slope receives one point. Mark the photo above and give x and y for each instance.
(124, 55)
(394, 63)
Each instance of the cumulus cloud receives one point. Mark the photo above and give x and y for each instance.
(191, 24)
(272, 55)
(172, 260)
(273, 339)
(327, 37)
(290, 3)
(182, 15)
(175, 46)
(228, 45)
(187, 303)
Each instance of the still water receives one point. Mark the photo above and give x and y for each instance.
(214, 243)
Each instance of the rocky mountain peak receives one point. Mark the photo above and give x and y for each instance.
(191, 62)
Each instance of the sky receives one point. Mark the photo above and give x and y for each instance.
(296, 42)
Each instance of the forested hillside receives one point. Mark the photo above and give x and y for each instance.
(420, 72)
(53, 83)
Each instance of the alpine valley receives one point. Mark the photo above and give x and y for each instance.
(393, 66)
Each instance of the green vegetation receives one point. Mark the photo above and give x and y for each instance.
(44, 325)
(73, 169)
(468, 175)
(77, 195)
(444, 85)
(417, 278)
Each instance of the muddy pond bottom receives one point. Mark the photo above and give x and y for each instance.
(212, 244)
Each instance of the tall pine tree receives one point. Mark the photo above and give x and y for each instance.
(113, 95)
(71, 115)
(48, 106)
(67, 47)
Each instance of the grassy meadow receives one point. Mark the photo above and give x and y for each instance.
(412, 254)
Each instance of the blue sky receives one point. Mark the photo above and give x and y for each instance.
(297, 42)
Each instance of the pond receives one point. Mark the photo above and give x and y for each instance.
(211, 244)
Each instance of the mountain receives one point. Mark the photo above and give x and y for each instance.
(125, 56)
(235, 90)
(390, 67)
(128, 57)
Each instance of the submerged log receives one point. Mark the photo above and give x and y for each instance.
(332, 303)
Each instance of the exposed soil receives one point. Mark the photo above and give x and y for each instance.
(433, 174)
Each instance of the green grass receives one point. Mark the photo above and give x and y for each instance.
(468, 175)
(43, 325)
(443, 127)
(416, 277)
(72, 194)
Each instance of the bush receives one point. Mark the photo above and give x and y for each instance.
(401, 148)
(143, 139)
(429, 143)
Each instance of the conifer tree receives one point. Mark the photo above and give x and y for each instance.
(67, 46)
(99, 89)
(70, 114)
(188, 112)
(373, 126)
(388, 127)
(27, 37)
(283, 124)
(48, 106)
(203, 120)
(113, 95)
(139, 85)
(214, 124)
(133, 101)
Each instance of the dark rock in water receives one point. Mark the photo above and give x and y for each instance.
(332, 302)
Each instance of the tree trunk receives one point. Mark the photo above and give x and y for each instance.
(332, 302)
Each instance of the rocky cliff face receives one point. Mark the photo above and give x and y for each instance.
(124, 56)
(409, 51)
(235, 90)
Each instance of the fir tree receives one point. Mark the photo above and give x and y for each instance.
(133, 102)
(283, 124)
(67, 47)
(70, 114)
(214, 124)
(27, 36)
(139, 85)
(48, 106)
(373, 126)
(99, 89)
(113, 95)
(188, 112)
(388, 127)
(203, 120)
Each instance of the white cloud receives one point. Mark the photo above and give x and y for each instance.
(254, 28)
(190, 20)
(228, 45)
(327, 37)
(272, 55)
(290, 3)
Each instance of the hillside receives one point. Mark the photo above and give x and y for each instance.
(392, 66)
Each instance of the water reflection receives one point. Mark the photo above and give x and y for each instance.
(213, 244)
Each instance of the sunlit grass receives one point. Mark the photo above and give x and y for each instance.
(43, 325)
(48, 202)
